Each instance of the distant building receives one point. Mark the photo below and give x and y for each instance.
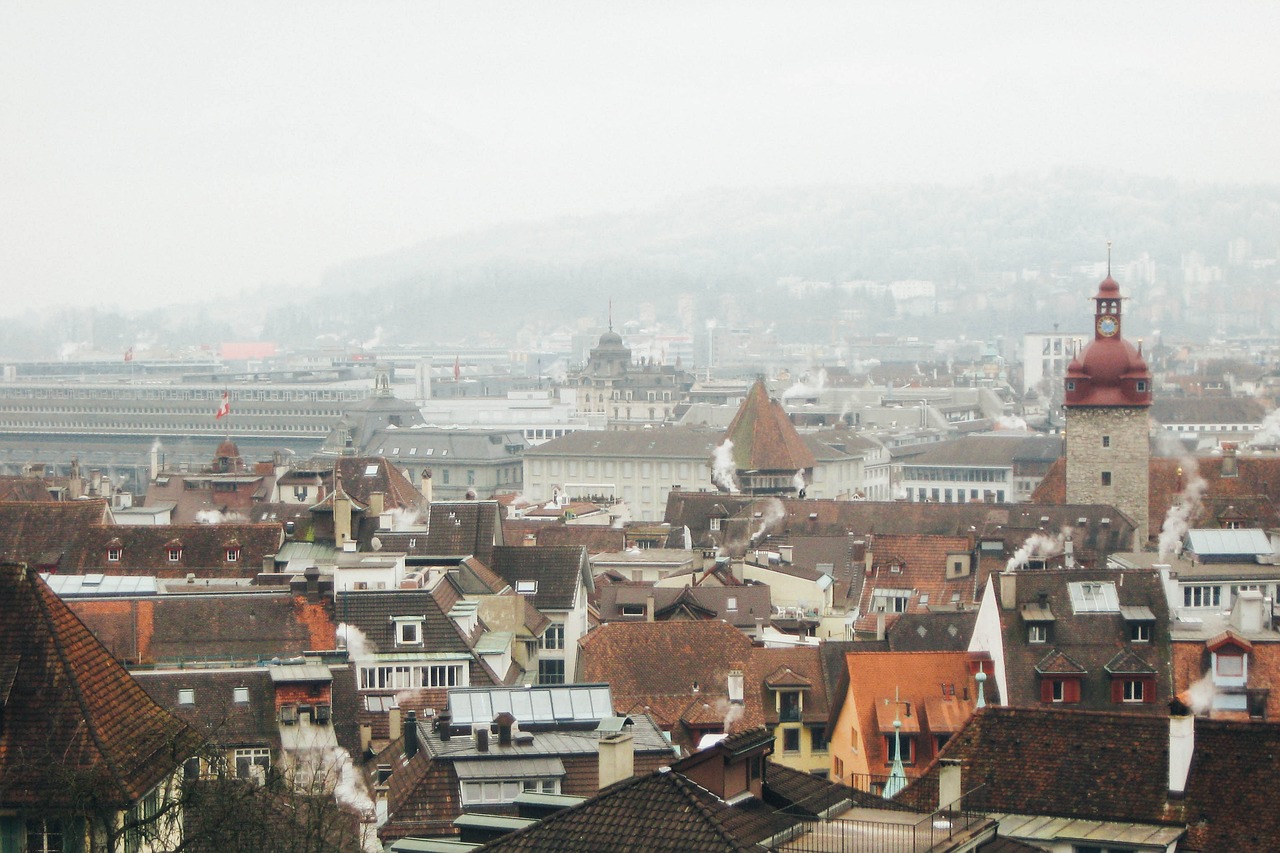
(631, 395)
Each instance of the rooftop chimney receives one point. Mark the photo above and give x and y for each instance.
(393, 723)
(1182, 744)
(411, 735)
(735, 685)
(1008, 590)
(949, 791)
(377, 503)
(482, 739)
(648, 608)
(442, 725)
(880, 624)
(617, 758)
(504, 722)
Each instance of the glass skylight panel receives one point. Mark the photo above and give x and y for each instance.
(581, 704)
(542, 705)
(601, 704)
(481, 709)
(561, 704)
(1094, 597)
(522, 706)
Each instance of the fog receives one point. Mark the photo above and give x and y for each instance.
(151, 151)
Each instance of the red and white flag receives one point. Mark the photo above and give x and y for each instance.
(128, 355)
(224, 408)
(457, 368)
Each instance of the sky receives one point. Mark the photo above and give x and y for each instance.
(155, 152)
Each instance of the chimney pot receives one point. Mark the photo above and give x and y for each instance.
(482, 739)
(411, 735)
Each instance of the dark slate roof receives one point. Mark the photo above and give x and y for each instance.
(465, 528)
(215, 713)
(942, 631)
(764, 438)
(1207, 410)
(751, 601)
(75, 724)
(663, 811)
(672, 441)
(597, 539)
(990, 451)
(371, 612)
(364, 475)
(558, 569)
(1114, 767)
(30, 489)
(1086, 641)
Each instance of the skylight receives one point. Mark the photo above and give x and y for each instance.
(1094, 597)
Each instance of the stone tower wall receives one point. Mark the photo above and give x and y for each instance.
(1127, 458)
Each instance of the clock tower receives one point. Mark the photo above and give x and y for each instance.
(1107, 398)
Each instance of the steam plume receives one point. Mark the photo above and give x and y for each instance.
(358, 645)
(804, 389)
(1036, 545)
(1183, 511)
(723, 468)
(770, 514)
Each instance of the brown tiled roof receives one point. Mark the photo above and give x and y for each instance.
(31, 529)
(654, 666)
(28, 489)
(764, 438)
(597, 539)
(235, 626)
(918, 563)
(76, 725)
(397, 492)
(1010, 523)
(1207, 410)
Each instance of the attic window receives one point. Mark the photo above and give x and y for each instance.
(371, 470)
(715, 524)
(240, 694)
(174, 553)
(113, 555)
(526, 587)
(233, 554)
(1094, 597)
(413, 451)
(187, 696)
(429, 451)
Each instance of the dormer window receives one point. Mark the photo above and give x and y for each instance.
(233, 554)
(1037, 633)
(173, 553)
(408, 630)
(526, 587)
(114, 554)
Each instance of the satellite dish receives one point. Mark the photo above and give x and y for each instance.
(375, 543)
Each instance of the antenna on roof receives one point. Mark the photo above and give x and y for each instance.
(1108, 259)
(611, 315)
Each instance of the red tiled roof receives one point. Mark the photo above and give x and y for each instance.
(76, 725)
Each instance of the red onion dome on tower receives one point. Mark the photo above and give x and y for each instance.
(1109, 371)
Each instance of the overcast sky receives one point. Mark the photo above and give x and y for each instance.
(163, 150)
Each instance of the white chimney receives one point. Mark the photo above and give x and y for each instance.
(949, 784)
(1182, 744)
(1008, 590)
(735, 685)
(1246, 611)
(617, 758)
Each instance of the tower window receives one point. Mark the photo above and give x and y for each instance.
(1106, 441)
(1106, 478)
(1142, 385)
(1071, 385)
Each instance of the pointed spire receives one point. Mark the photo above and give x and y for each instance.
(1108, 259)
(897, 774)
(981, 678)
(611, 312)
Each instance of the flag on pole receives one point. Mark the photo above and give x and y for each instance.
(457, 368)
(128, 355)
(224, 408)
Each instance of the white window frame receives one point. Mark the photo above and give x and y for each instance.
(1134, 690)
(553, 638)
(1037, 632)
(114, 554)
(257, 763)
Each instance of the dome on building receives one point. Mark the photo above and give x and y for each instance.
(1109, 371)
(610, 340)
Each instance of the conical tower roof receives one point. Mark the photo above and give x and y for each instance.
(77, 727)
(764, 438)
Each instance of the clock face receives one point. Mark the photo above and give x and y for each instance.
(1108, 326)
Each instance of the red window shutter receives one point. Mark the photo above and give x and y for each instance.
(1071, 690)
(1117, 690)
(1046, 690)
(1149, 691)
